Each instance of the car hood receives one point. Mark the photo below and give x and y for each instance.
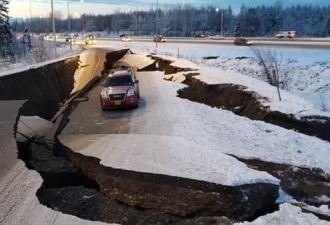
(117, 89)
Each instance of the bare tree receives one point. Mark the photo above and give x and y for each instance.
(268, 61)
(40, 53)
(272, 69)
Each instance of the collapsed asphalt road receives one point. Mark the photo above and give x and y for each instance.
(165, 199)
(80, 185)
(140, 190)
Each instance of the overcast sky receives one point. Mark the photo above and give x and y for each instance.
(39, 8)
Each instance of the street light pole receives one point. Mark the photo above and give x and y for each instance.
(69, 17)
(54, 32)
(30, 17)
(156, 18)
(221, 20)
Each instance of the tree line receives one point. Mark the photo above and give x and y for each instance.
(186, 20)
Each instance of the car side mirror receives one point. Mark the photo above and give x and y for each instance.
(136, 81)
(102, 84)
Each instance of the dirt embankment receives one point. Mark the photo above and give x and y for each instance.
(246, 103)
(87, 189)
(43, 87)
(243, 103)
(165, 66)
(303, 184)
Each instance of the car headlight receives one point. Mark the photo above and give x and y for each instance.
(130, 92)
(104, 94)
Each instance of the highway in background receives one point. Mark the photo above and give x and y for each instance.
(311, 43)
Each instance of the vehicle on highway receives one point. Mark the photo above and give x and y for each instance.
(121, 89)
(242, 41)
(200, 35)
(288, 34)
(76, 36)
(90, 39)
(125, 38)
(70, 40)
(217, 37)
(43, 37)
(159, 38)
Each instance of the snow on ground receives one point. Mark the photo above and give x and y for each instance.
(129, 59)
(20, 205)
(287, 215)
(290, 103)
(323, 209)
(310, 80)
(63, 51)
(223, 131)
(168, 155)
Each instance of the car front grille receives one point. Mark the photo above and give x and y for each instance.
(117, 97)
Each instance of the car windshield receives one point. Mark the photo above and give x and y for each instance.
(118, 81)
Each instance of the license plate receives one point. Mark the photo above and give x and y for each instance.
(117, 102)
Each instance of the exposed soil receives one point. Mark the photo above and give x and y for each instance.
(164, 65)
(44, 87)
(303, 184)
(244, 103)
(89, 190)
(247, 103)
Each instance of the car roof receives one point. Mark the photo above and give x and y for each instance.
(119, 73)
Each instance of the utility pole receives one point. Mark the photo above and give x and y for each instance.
(69, 19)
(221, 22)
(157, 18)
(30, 17)
(54, 32)
(136, 21)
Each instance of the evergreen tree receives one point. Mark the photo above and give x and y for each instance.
(6, 38)
(237, 31)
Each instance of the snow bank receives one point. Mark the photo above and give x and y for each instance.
(287, 215)
(168, 155)
(290, 103)
(63, 51)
